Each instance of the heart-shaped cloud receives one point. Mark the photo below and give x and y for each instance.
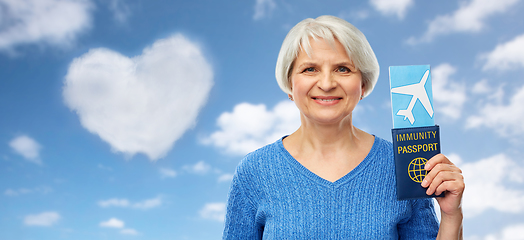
(141, 104)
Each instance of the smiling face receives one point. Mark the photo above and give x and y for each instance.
(326, 86)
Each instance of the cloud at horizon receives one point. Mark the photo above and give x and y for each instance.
(249, 126)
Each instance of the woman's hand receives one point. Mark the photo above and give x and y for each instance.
(444, 176)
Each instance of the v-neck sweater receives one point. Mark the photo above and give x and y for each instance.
(273, 196)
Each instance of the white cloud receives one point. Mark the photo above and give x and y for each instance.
(505, 119)
(114, 202)
(117, 223)
(483, 88)
(148, 203)
(55, 22)
(120, 10)
(449, 96)
(103, 167)
(470, 17)
(250, 127)
(45, 219)
(392, 7)
(140, 104)
(11, 192)
(511, 232)
(112, 223)
(263, 8)
(27, 147)
(129, 231)
(214, 211)
(506, 55)
(167, 173)
(492, 183)
(124, 203)
(198, 168)
(226, 177)
(355, 15)
(21, 191)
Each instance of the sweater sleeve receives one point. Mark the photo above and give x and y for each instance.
(241, 214)
(423, 223)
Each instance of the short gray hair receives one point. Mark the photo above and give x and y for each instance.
(329, 28)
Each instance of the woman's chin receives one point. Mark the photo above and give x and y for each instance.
(329, 119)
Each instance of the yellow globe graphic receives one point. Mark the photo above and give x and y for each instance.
(416, 169)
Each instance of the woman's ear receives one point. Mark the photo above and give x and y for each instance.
(363, 89)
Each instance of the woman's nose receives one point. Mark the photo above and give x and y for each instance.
(326, 82)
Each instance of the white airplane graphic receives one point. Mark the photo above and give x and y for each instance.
(419, 92)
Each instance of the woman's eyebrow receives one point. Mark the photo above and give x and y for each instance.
(345, 64)
(306, 64)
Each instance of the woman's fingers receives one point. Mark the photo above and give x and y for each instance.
(445, 181)
(437, 159)
(443, 176)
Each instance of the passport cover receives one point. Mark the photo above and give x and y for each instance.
(413, 148)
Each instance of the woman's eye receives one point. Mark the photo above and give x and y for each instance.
(343, 69)
(309, 69)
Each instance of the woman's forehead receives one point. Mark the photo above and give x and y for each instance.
(319, 47)
(305, 43)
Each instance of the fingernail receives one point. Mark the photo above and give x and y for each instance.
(424, 182)
(426, 167)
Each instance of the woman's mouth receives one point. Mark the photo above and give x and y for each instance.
(330, 99)
(327, 100)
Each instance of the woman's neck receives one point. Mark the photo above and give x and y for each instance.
(321, 135)
(328, 150)
(327, 139)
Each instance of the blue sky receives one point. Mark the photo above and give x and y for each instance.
(126, 119)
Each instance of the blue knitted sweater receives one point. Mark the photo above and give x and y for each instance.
(273, 196)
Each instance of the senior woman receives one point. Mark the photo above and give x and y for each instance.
(329, 179)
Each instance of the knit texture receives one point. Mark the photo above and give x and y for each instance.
(273, 196)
